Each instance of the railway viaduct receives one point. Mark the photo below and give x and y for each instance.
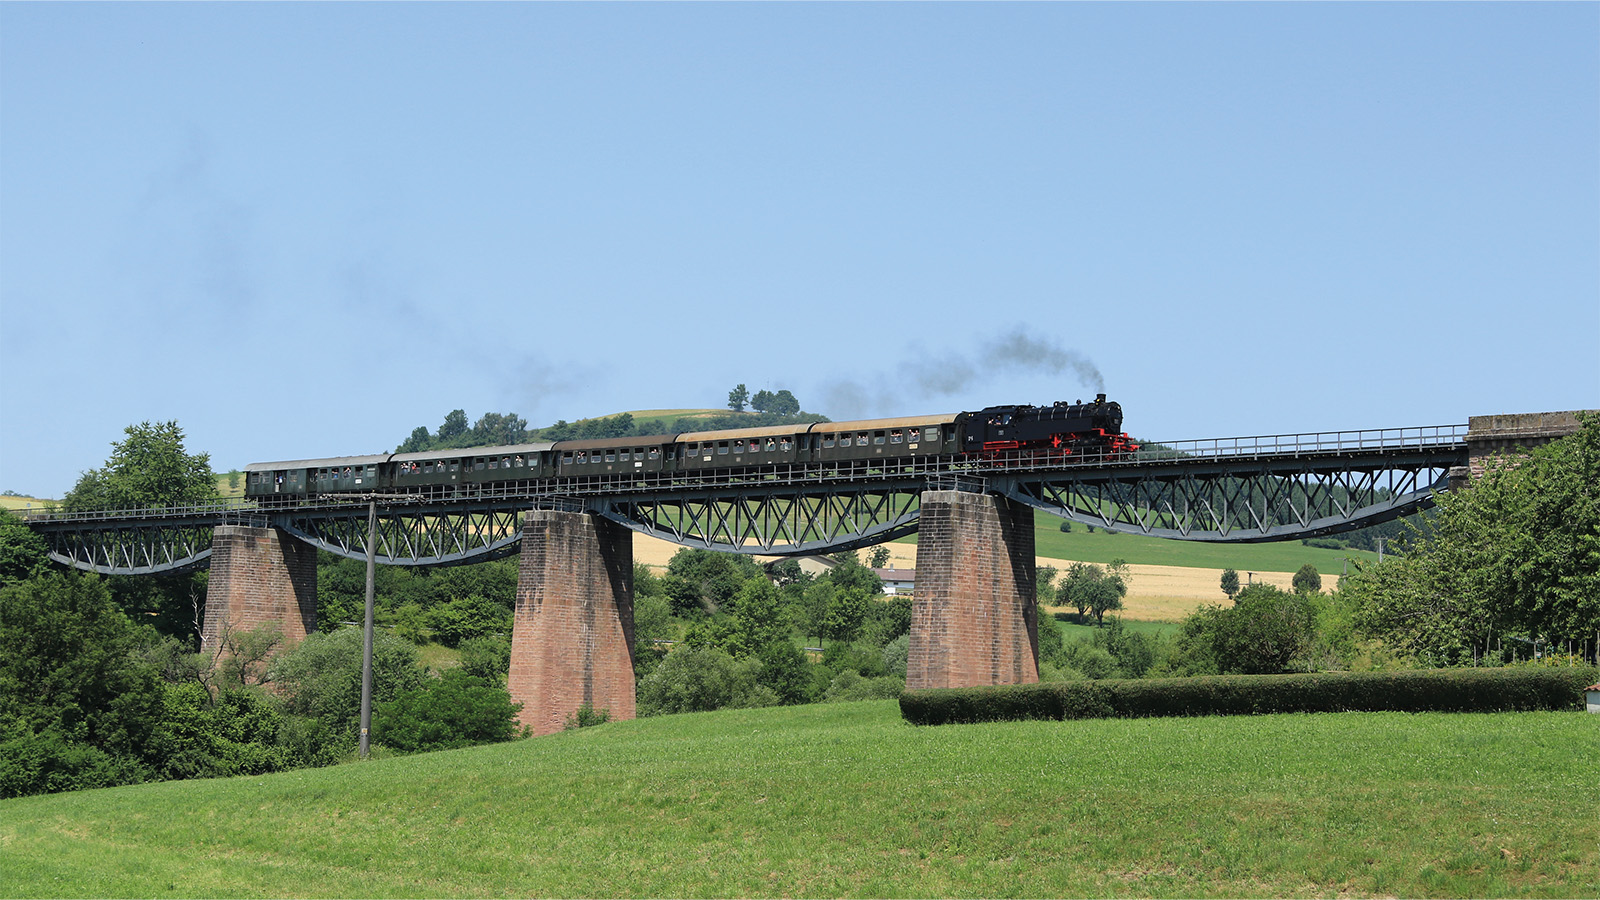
(974, 619)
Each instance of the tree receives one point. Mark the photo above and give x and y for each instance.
(78, 704)
(149, 468)
(762, 401)
(1090, 588)
(1044, 590)
(846, 614)
(738, 397)
(23, 553)
(421, 439)
(455, 425)
(757, 620)
(1263, 632)
(783, 403)
(1306, 580)
(1515, 553)
(879, 557)
(1230, 582)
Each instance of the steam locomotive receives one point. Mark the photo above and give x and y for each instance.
(1023, 434)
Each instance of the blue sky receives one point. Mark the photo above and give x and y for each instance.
(305, 229)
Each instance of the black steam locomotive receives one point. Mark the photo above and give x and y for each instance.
(1061, 432)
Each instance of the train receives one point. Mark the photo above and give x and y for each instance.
(1024, 434)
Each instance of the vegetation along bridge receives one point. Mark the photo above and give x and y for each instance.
(973, 512)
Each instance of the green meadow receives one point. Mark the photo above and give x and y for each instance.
(848, 800)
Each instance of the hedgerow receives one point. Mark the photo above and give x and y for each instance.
(1426, 690)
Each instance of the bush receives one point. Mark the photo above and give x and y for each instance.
(848, 686)
(896, 654)
(236, 734)
(866, 661)
(321, 676)
(47, 763)
(487, 658)
(697, 680)
(456, 710)
(587, 716)
(468, 617)
(1436, 690)
(786, 672)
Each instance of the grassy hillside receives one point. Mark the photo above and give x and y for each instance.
(847, 800)
(1104, 546)
(23, 503)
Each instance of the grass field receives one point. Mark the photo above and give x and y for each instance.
(848, 800)
(23, 503)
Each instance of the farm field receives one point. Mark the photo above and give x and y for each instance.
(848, 800)
(1159, 593)
(23, 503)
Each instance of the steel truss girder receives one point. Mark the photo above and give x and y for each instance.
(147, 548)
(1246, 502)
(413, 536)
(787, 521)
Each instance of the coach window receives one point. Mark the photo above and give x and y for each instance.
(896, 437)
(722, 448)
(827, 441)
(655, 452)
(785, 445)
(931, 434)
(611, 456)
(494, 464)
(877, 438)
(861, 439)
(478, 464)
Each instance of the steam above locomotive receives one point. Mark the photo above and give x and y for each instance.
(1004, 435)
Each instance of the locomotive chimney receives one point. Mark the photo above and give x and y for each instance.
(1099, 398)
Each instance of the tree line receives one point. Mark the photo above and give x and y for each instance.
(495, 429)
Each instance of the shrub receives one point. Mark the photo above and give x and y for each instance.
(457, 710)
(849, 686)
(1434, 690)
(487, 657)
(895, 654)
(235, 734)
(693, 679)
(587, 716)
(468, 617)
(47, 763)
(867, 661)
(321, 676)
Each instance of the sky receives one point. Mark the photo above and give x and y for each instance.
(303, 230)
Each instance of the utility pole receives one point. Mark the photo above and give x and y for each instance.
(366, 636)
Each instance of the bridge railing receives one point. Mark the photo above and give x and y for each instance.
(225, 512)
(1318, 443)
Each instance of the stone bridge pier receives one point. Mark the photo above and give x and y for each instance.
(974, 619)
(572, 639)
(259, 576)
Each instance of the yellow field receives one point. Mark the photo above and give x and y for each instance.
(23, 503)
(1157, 594)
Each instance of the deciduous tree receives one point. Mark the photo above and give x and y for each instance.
(148, 468)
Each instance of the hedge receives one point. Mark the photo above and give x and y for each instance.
(1425, 690)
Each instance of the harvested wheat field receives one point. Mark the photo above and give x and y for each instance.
(1157, 594)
